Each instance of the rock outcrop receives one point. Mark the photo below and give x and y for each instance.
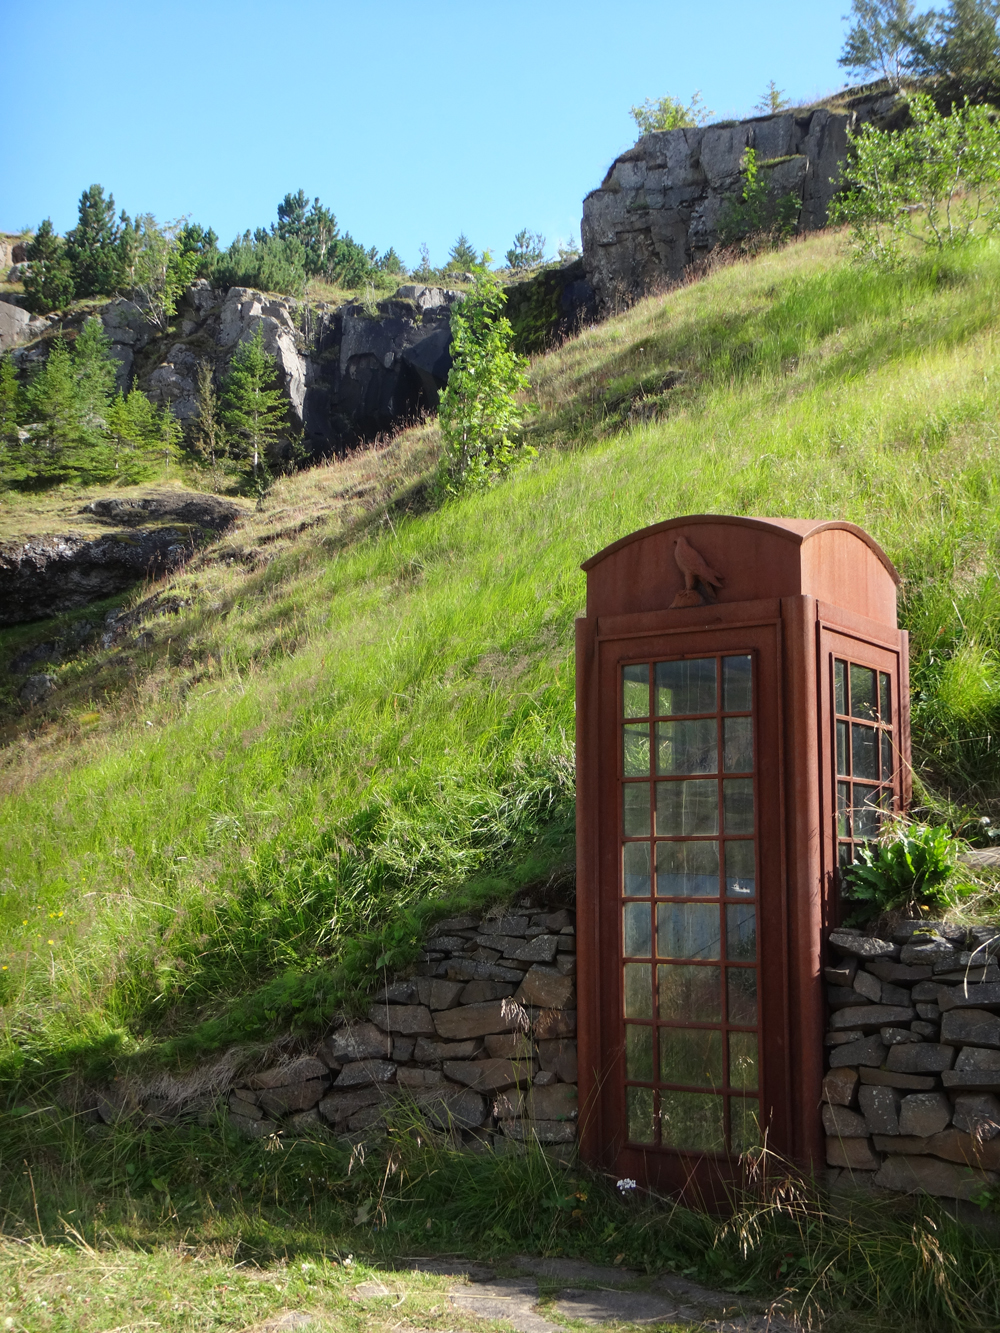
(53, 574)
(659, 207)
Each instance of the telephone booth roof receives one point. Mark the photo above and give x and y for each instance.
(757, 558)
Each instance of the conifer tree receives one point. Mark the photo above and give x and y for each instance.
(254, 408)
(10, 401)
(49, 280)
(58, 420)
(92, 245)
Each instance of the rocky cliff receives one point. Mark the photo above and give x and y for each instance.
(659, 207)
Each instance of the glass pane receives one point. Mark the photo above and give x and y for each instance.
(737, 744)
(687, 930)
(744, 1119)
(743, 1060)
(635, 691)
(736, 692)
(636, 861)
(884, 697)
(886, 756)
(635, 756)
(638, 930)
(866, 812)
(639, 1052)
(639, 1110)
(737, 803)
(685, 808)
(685, 687)
(689, 994)
(741, 933)
(740, 870)
(635, 799)
(687, 869)
(843, 806)
(840, 687)
(692, 1120)
(863, 700)
(842, 749)
(688, 747)
(691, 1055)
(638, 990)
(845, 854)
(864, 756)
(741, 990)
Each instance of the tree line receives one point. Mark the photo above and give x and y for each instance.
(109, 254)
(70, 424)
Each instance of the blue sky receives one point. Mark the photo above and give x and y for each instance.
(412, 121)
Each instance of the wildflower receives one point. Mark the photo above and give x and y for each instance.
(625, 1185)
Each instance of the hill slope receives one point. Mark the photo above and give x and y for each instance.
(362, 710)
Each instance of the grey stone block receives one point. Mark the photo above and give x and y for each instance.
(479, 1020)
(355, 1041)
(843, 973)
(846, 997)
(880, 1107)
(479, 992)
(871, 1017)
(840, 1087)
(925, 1058)
(854, 1153)
(842, 1123)
(898, 973)
(974, 1027)
(365, 1071)
(867, 1051)
(899, 1036)
(969, 997)
(411, 1020)
(928, 949)
(868, 986)
(887, 1078)
(928, 1175)
(436, 993)
(924, 1113)
(862, 946)
(979, 1114)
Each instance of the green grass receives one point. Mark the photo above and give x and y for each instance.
(376, 718)
(363, 715)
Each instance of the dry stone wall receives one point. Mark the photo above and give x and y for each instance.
(480, 1042)
(910, 1102)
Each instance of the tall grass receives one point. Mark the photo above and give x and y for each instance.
(400, 733)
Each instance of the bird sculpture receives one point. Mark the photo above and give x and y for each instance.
(694, 566)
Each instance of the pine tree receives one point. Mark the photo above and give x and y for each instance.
(10, 402)
(254, 409)
(49, 280)
(58, 419)
(92, 245)
(462, 256)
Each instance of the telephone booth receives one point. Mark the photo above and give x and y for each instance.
(742, 725)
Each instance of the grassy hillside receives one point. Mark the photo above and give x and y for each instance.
(363, 710)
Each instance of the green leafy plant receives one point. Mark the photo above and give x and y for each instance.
(669, 113)
(478, 412)
(935, 184)
(877, 42)
(908, 870)
(756, 218)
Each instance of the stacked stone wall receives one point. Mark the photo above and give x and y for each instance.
(910, 1100)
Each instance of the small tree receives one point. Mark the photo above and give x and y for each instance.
(254, 408)
(478, 412)
(528, 250)
(10, 403)
(92, 245)
(138, 437)
(877, 43)
(208, 431)
(935, 183)
(670, 113)
(755, 216)
(462, 257)
(49, 280)
(773, 100)
(159, 269)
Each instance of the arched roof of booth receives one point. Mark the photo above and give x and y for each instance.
(797, 530)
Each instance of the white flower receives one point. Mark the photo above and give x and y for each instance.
(625, 1185)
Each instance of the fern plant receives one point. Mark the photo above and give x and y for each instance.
(907, 871)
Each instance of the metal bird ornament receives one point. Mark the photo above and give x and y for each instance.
(696, 570)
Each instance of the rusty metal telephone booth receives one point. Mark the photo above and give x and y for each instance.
(742, 724)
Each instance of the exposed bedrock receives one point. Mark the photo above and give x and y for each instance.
(48, 575)
(659, 208)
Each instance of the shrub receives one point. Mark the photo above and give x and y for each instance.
(669, 113)
(528, 250)
(935, 183)
(755, 216)
(478, 412)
